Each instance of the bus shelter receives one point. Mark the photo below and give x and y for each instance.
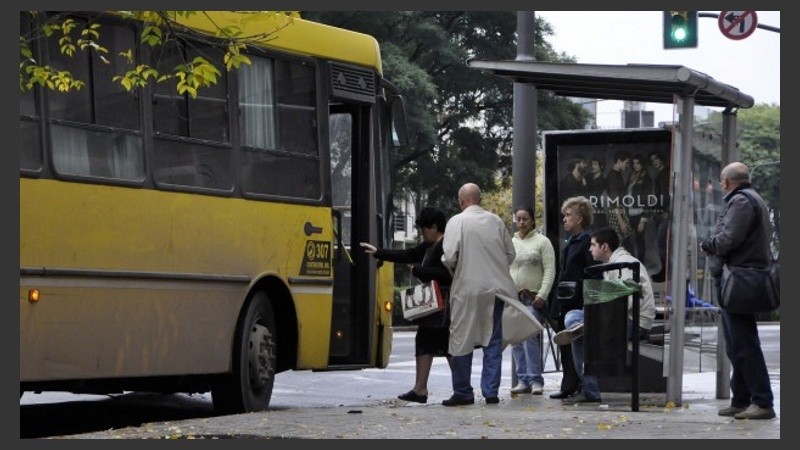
(702, 143)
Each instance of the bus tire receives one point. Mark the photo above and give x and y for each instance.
(248, 387)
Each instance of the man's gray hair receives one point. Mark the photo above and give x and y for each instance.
(736, 172)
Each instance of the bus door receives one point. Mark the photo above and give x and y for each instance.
(350, 188)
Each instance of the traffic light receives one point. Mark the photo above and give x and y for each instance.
(680, 29)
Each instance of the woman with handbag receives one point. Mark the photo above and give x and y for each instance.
(433, 334)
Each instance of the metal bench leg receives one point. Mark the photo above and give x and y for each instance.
(552, 348)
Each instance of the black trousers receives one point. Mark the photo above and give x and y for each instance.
(570, 381)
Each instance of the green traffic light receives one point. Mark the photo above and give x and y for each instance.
(680, 29)
(679, 21)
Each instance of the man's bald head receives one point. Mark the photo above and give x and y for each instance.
(734, 175)
(469, 194)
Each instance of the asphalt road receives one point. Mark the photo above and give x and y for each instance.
(58, 414)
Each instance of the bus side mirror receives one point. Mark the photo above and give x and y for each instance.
(397, 112)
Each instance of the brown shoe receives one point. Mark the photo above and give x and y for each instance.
(731, 411)
(756, 412)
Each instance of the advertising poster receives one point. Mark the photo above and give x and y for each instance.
(626, 176)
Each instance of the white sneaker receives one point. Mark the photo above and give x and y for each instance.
(537, 389)
(521, 388)
(564, 337)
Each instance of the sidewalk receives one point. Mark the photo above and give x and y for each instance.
(516, 417)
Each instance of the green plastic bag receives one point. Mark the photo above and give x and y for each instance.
(601, 291)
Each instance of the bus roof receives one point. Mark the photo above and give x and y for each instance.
(299, 36)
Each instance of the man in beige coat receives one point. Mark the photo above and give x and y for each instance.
(478, 248)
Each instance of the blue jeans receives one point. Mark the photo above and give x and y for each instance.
(528, 356)
(750, 379)
(461, 366)
(589, 383)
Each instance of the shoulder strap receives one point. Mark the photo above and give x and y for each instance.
(750, 199)
(756, 218)
(756, 209)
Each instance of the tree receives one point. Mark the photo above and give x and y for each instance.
(460, 119)
(759, 142)
(760, 149)
(76, 32)
(499, 202)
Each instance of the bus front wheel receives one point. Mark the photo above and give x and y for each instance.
(249, 387)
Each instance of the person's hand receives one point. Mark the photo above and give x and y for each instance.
(369, 248)
(538, 302)
(704, 247)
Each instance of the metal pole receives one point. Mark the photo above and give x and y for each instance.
(758, 25)
(682, 179)
(523, 168)
(730, 153)
(637, 298)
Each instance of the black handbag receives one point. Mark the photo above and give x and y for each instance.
(566, 290)
(750, 290)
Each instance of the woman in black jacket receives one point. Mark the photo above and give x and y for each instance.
(578, 215)
(433, 333)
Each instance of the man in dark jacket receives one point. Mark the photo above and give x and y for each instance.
(734, 242)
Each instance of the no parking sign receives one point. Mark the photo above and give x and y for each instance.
(737, 25)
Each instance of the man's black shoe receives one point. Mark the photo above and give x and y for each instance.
(455, 400)
(492, 400)
(562, 394)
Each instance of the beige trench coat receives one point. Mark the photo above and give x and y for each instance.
(478, 249)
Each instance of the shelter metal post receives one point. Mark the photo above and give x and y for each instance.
(523, 168)
(730, 153)
(679, 232)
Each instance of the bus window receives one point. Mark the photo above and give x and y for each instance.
(96, 130)
(192, 134)
(283, 163)
(257, 104)
(30, 148)
(297, 114)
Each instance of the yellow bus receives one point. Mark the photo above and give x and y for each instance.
(176, 244)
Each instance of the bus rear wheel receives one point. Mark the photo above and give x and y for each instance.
(249, 387)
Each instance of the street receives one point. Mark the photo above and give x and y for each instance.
(58, 414)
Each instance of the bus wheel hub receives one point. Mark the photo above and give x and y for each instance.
(260, 356)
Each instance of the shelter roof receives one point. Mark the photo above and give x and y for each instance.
(634, 82)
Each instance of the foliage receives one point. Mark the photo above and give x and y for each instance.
(760, 148)
(158, 28)
(500, 201)
(460, 119)
(759, 141)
